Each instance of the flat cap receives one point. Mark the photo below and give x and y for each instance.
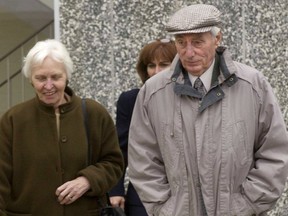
(195, 18)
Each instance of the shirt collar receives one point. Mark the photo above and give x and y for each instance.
(205, 77)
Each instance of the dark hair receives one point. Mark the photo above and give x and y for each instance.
(160, 50)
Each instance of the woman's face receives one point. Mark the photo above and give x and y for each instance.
(49, 81)
(156, 66)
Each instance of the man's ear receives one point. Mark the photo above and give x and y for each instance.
(218, 38)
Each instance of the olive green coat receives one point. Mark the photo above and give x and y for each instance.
(34, 161)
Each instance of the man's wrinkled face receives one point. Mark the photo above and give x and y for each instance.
(197, 51)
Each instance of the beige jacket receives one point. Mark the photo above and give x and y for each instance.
(230, 151)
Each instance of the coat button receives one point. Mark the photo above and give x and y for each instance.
(63, 139)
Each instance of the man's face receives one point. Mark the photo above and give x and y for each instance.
(196, 51)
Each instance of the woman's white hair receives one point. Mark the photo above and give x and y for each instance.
(47, 48)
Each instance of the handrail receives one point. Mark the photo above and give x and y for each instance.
(26, 40)
(11, 77)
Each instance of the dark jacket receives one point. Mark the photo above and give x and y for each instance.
(34, 161)
(125, 106)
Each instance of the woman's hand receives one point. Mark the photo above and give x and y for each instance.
(117, 201)
(72, 190)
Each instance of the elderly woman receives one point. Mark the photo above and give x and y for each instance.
(154, 57)
(44, 147)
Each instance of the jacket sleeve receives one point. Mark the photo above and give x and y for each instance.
(146, 167)
(266, 180)
(108, 164)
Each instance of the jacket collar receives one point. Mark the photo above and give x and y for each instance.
(226, 67)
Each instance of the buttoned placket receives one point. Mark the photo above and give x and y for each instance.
(199, 86)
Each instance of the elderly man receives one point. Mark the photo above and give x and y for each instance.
(207, 136)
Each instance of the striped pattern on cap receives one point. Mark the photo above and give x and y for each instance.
(194, 19)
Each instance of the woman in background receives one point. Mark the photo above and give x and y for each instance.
(154, 58)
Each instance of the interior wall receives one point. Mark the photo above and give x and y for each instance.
(48, 3)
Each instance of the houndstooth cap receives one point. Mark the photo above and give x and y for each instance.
(194, 19)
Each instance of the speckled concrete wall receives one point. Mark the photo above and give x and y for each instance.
(105, 36)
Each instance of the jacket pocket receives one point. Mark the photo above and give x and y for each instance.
(239, 206)
(240, 144)
(240, 154)
(167, 209)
